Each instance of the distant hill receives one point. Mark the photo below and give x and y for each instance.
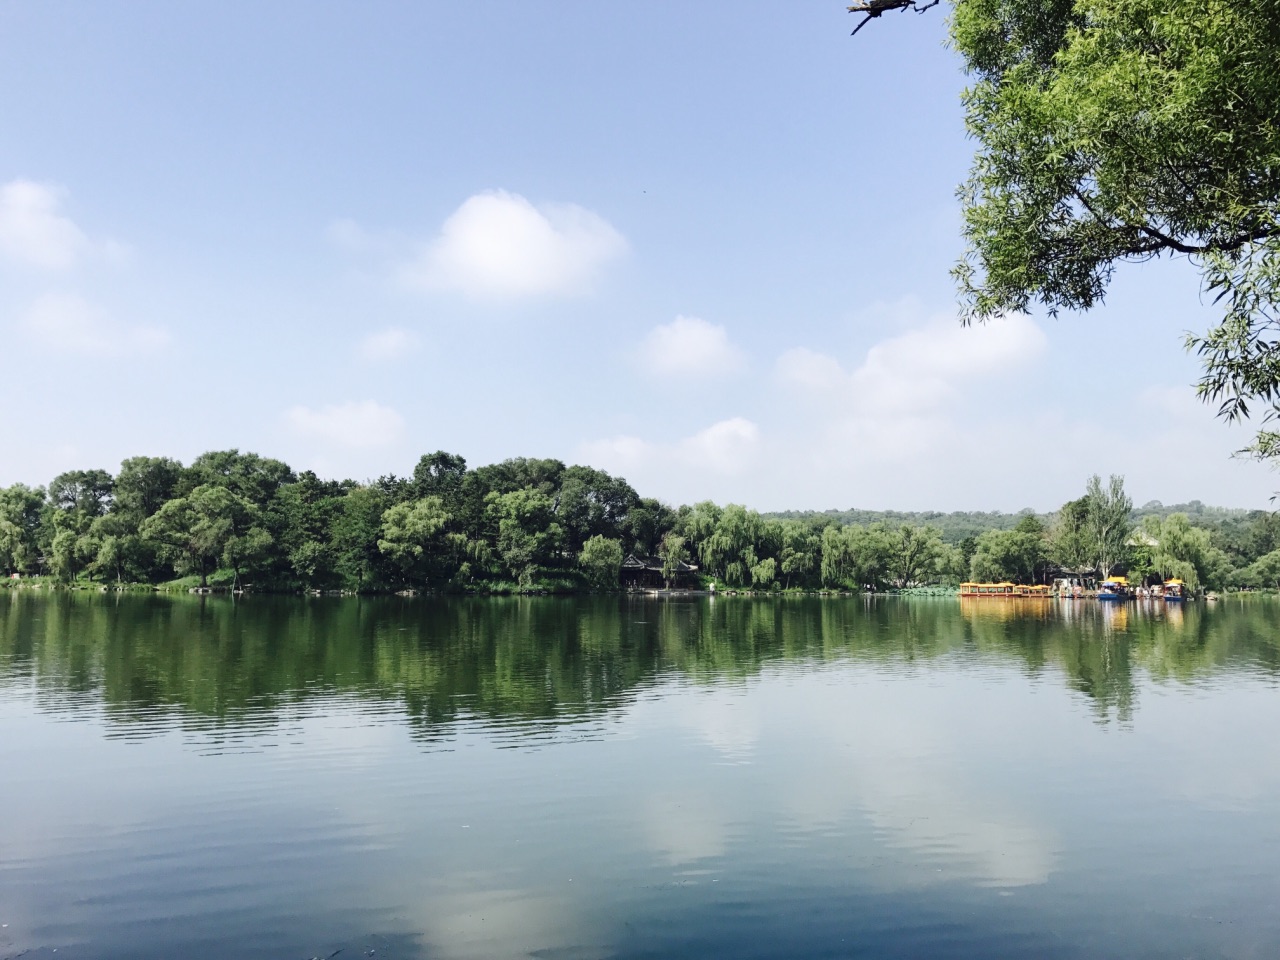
(954, 526)
(959, 524)
(1195, 510)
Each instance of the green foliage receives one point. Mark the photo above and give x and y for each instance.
(1107, 522)
(764, 574)
(144, 484)
(1012, 555)
(356, 528)
(953, 527)
(600, 560)
(1122, 130)
(20, 516)
(234, 519)
(81, 492)
(1263, 572)
(528, 535)
(412, 538)
(1068, 545)
(801, 552)
(853, 557)
(1180, 550)
(912, 554)
(195, 530)
(673, 553)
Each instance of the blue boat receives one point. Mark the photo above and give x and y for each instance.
(1114, 588)
(1175, 591)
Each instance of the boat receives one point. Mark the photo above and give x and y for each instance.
(1006, 590)
(1176, 591)
(986, 589)
(1115, 588)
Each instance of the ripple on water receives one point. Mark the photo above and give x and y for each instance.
(744, 779)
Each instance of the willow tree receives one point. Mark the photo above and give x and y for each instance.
(412, 537)
(1178, 549)
(1110, 131)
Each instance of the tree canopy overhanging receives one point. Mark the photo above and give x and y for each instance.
(1111, 131)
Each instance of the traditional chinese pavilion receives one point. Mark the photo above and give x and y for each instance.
(646, 573)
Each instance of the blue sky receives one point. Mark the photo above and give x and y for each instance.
(705, 246)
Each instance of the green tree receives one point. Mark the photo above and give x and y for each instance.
(246, 549)
(646, 524)
(592, 503)
(854, 556)
(413, 537)
(66, 556)
(194, 531)
(440, 475)
(674, 554)
(951, 566)
(113, 547)
(354, 537)
(1015, 555)
(764, 574)
(601, 561)
(728, 541)
(86, 492)
(1107, 522)
(1068, 544)
(1263, 572)
(304, 516)
(528, 537)
(144, 484)
(801, 552)
(20, 515)
(251, 477)
(912, 554)
(1184, 551)
(1113, 131)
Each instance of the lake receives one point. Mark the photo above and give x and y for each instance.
(609, 777)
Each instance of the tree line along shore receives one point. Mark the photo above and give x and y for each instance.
(242, 521)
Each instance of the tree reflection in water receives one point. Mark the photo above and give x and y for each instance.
(522, 661)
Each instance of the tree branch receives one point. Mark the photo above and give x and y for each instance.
(1162, 241)
(874, 8)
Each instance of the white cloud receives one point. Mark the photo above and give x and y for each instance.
(810, 371)
(33, 231)
(689, 346)
(932, 415)
(498, 245)
(923, 369)
(478, 924)
(685, 828)
(900, 401)
(348, 235)
(727, 448)
(71, 324)
(917, 372)
(622, 452)
(357, 424)
(390, 344)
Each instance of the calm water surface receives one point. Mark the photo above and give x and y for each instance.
(288, 778)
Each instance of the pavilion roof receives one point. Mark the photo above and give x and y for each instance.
(653, 563)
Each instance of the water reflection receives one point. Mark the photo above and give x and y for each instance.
(533, 666)
(618, 778)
